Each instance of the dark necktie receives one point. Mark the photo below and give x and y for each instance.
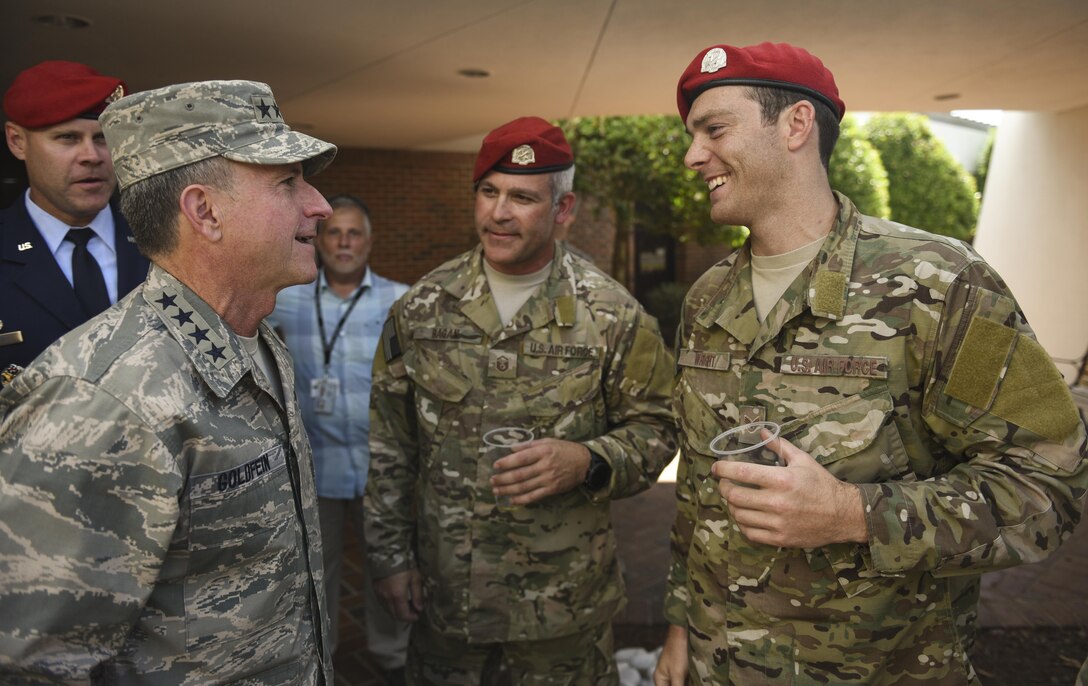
(87, 278)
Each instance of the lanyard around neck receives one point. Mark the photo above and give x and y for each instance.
(327, 345)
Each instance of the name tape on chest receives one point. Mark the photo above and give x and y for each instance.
(836, 365)
(446, 333)
(704, 360)
(237, 477)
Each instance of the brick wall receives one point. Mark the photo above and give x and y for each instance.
(420, 205)
(693, 259)
(592, 232)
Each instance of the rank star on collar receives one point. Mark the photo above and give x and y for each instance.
(216, 352)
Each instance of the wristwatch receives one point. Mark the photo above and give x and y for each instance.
(598, 474)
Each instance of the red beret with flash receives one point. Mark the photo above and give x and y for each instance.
(56, 91)
(528, 145)
(775, 65)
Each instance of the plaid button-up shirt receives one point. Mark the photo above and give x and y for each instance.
(340, 439)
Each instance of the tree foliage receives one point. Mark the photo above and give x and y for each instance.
(927, 187)
(983, 167)
(857, 172)
(635, 167)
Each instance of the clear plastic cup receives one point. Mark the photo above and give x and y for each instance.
(745, 443)
(728, 445)
(499, 443)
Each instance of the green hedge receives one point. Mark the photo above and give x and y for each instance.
(857, 172)
(983, 167)
(927, 188)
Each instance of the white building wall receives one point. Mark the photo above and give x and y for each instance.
(1033, 227)
(965, 141)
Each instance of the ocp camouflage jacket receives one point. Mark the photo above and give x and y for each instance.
(580, 361)
(899, 361)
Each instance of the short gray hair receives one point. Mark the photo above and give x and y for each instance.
(562, 182)
(151, 204)
(342, 200)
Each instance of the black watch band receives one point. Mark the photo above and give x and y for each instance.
(598, 474)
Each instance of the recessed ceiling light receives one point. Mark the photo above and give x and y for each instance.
(946, 96)
(63, 21)
(474, 73)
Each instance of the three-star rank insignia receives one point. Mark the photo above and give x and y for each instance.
(523, 155)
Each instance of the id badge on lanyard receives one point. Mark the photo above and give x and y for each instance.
(324, 392)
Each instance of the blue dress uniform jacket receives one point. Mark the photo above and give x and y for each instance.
(35, 297)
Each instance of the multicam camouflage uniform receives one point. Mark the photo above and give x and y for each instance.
(580, 362)
(158, 522)
(900, 362)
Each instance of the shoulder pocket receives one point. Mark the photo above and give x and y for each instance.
(643, 359)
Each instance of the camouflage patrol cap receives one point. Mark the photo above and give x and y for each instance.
(155, 131)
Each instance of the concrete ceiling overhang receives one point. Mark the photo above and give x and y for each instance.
(363, 73)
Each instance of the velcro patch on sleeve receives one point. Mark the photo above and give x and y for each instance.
(1033, 394)
(641, 361)
(980, 362)
(390, 343)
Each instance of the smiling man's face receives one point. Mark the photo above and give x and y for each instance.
(68, 166)
(516, 220)
(741, 158)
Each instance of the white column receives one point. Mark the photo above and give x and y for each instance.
(1033, 227)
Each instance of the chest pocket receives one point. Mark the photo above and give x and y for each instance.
(568, 406)
(854, 438)
(245, 568)
(439, 387)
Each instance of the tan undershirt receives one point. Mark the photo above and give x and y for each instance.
(262, 356)
(511, 291)
(773, 274)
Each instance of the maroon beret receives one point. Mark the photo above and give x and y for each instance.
(528, 145)
(778, 65)
(56, 91)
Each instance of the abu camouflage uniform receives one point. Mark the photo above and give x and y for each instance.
(158, 520)
(581, 361)
(900, 362)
